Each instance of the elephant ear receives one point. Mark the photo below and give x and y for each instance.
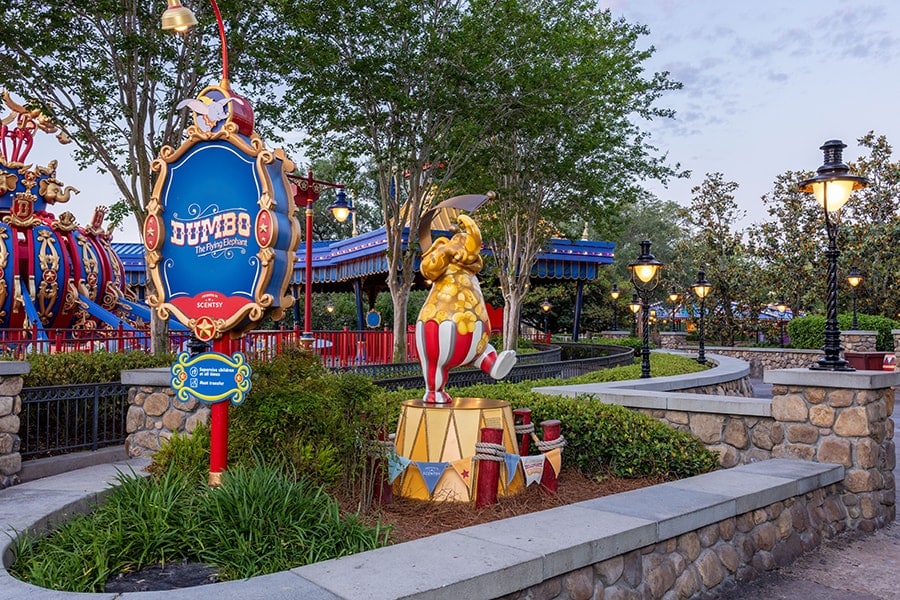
(467, 202)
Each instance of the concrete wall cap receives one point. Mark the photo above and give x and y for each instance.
(726, 369)
(860, 380)
(159, 377)
(14, 367)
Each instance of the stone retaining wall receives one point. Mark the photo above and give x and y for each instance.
(672, 340)
(849, 425)
(859, 341)
(154, 413)
(819, 416)
(710, 561)
(737, 439)
(896, 334)
(768, 359)
(736, 387)
(10, 407)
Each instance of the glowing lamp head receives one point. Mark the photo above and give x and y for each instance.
(781, 306)
(673, 295)
(177, 18)
(341, 208)
(329, 307)
(854, 278)
(546, 306)
(646, 269)
(635, 304)
(702, 287)
(833, 182)
(614, 292)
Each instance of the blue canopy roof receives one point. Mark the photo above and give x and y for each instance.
(364, 255)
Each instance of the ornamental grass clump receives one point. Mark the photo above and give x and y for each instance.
(259, 521)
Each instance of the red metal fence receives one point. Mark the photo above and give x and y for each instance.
(337, 348)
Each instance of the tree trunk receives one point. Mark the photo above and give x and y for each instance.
(159, 334)
(400, 301)
(511, 314)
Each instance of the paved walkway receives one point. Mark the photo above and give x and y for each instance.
(855, 567)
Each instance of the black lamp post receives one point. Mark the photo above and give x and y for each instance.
(832, 186)
(545, 307)
(701, 289)
(614, 292)
(645, 277)
(781, 307)
(635, 307)
(854, 279)
(674, 297)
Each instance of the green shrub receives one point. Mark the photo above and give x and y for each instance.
(299, 412)
(809, 331)
(67, 368)
(605, 439)
(187, 454)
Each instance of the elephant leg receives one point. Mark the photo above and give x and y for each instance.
(496, 365)
(440, 348)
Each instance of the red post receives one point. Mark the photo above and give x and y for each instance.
(218, 427)
(307, 289)
(551, 430)
(522, 416)
(487, 472)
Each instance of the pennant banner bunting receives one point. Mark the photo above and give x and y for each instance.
(533, 467)
(555, 459)
(431, 473)
(396, 465)
(512, 464)
(463, 468)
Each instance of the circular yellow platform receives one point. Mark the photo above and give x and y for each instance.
(438, 442)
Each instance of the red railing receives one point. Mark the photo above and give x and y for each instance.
(337, 348)
(20, 342)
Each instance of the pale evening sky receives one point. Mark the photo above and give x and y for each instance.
(765, 83)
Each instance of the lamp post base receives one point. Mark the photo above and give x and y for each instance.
(831, 364)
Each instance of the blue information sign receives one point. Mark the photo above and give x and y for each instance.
(211, 377)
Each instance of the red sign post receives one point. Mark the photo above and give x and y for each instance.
(220, 235)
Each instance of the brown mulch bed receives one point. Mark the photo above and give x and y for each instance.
(413, 519)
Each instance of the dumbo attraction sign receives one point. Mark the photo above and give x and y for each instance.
(220, 234)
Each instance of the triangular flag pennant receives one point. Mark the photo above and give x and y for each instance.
(512, 463)
(396, 465)
(555, 458)
(431, 473)
(533, 467)
(463, 468)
